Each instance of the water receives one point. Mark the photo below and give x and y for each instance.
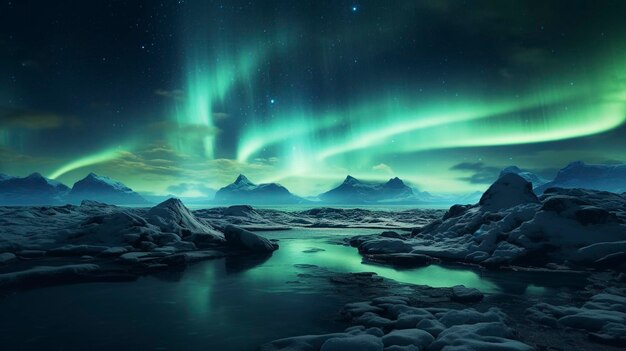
(305, 207)
(227, 304)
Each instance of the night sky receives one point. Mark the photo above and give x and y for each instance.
(182, 96)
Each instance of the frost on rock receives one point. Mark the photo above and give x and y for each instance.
(165, 235)
(603, 317)
(411, 328)
(510, 225)
(172, 216)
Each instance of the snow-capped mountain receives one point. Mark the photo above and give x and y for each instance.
(34, 189)
(4, 177)
(243, 191)
(354, 191)
(606, 177)
(104, 189)
(534, 179)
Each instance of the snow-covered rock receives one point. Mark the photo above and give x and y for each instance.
(603, 316)
(462, 294)
(241, 238)
(172, 216)
(510, 225)
(409, 328)
(508, 191)
(406, 337)
(534, 179)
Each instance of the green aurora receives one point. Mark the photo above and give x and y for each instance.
(281, 97)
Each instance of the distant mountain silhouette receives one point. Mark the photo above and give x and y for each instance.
(354, 191)
(34, 189)
(606, 177)
(243, 191)
(104, 189)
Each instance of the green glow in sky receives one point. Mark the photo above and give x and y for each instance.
(89, 160)
(306, 93)
(209, 79)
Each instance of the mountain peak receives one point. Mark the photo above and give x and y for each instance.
(243, 191)
(242, 179)
(575, 164)
(351, 180)
(511, 169)
(104, 189)
(395, 182)
(34, 175)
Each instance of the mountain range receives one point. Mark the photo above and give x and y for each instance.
(606, 177)
(36, 189)
(243, 191)
(354, 191)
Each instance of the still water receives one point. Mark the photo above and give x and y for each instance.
(226, 304)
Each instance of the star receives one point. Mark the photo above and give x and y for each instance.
(355, 8)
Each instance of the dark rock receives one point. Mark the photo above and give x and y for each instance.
(462, 294)
(560, 203)
(243, 239)
(456, 210)
(508, 191)
(239, 210)
(594, 215)
(401, 259)
(391, 234)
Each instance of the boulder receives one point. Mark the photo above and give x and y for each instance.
(247, 240)
(462, 294)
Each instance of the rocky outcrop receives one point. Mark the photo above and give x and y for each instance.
(247, 240)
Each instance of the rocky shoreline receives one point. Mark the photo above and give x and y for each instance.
(569, 231)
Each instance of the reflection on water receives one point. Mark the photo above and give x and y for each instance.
(313, 247)
(227, 304)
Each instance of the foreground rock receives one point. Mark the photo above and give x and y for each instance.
(511, 226)
(243, 239)
(124, 241)
(392, 323)
(603, 317)
(462, 294)
(324, 217)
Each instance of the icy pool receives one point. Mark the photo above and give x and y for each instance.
(227, 304)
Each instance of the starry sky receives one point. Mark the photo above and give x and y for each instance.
(181, 96)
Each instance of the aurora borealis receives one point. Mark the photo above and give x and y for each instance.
(182, 96)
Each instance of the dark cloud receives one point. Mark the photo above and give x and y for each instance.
(175, 94)
(27, 119)
(479, 172)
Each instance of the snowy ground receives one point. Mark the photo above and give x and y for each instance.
(98, 241)
(509, 228)
(563, 229)
(392, 316)
(95, 241)
(324, 217)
